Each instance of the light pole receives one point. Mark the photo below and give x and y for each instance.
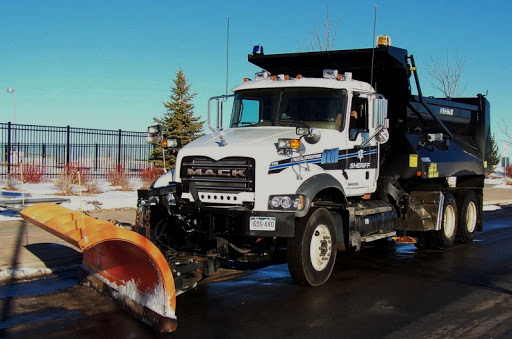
(12, 90)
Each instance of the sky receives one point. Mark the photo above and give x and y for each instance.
(110, 64)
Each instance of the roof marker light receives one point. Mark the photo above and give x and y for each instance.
(263, 75)
(330, 73)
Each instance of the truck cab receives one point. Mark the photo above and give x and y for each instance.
(336, 108)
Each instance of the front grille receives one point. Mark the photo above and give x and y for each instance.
(231, 174)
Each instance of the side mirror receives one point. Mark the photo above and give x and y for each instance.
(380, 112)
(220, 99)
(310, 134)
(383, 136)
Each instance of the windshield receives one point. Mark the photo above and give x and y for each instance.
(314, 107)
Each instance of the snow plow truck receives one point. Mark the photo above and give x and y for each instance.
(325, 151)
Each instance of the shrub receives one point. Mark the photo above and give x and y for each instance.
(68, 178)
(117, 177)
(72, 170)
(149, 174)
(92, 187)
(32, 173)
(508, 171)
(64, 183)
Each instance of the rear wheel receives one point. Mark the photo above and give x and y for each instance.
(312, 251)
(468, 217)
(446, 235)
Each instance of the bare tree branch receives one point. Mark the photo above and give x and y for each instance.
(505, 129)
(447, 76)
(315, 41)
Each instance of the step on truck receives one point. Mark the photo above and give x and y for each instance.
(324, 152)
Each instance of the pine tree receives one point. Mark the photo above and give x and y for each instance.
(178, 122)
(495, 155)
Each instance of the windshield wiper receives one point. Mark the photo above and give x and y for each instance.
(292, 122)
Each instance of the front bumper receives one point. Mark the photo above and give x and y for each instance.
(219, 219)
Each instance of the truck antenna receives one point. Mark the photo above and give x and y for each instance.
(373, 43)
(227, 58)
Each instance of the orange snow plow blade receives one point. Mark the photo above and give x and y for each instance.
(120, 263)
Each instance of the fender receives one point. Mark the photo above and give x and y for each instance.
(310, 189)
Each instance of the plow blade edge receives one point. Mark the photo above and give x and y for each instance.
(120, 263)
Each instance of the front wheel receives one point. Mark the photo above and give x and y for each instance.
(312, 251)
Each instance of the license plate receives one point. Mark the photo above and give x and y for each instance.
(262, 224)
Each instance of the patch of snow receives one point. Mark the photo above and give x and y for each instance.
(494, 181)
(110, 198)
(499, 171)
(503, 185)
(489, 208)
(23, 273)
(155, 299)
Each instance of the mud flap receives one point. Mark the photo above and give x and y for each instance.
(122, 264)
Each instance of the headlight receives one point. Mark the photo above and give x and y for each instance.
(286, 144)
(287, 202)
(172, 143)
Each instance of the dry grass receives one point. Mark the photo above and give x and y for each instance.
(72, 176)
(64, 183)
(117, 177)
(11, 184)
(92, 187)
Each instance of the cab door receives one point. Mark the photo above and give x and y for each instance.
(361, 164)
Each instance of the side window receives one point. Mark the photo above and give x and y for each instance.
(249, 112)
(358, 117)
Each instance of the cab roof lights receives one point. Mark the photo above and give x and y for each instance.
(257, 49)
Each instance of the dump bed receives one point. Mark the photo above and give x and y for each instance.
(463, 122)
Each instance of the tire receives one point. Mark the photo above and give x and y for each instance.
(445, 237)
(312, 251)
(468, 217)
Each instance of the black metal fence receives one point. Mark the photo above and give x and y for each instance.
(52, 149)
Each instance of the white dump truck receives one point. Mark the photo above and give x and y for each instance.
(324, 152)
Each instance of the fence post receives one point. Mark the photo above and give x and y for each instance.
(68, 146)
(9, 126)
(96, 157)
(119, 152)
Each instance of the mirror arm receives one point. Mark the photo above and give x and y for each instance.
(386, 125)
(358, 147)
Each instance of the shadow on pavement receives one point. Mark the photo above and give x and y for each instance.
(54, 255)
